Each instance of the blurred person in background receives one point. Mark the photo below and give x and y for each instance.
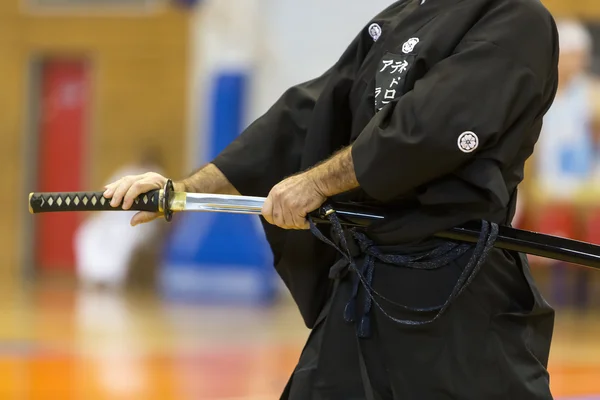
(566, 157)
(108, 254)
(565, 153)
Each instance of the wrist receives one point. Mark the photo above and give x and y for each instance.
(180, 187)
(315, 177)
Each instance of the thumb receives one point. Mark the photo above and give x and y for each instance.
(267, 210)
(143, 217)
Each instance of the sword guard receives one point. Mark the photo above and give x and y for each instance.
(166, 200)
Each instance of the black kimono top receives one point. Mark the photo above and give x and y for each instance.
(442, 101)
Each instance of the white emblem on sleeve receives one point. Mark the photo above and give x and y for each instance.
(375, 31)
(468, 142)
(410, 44)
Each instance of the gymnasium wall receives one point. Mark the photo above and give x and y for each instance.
(300, 42)
(138, 90)
(583, 9)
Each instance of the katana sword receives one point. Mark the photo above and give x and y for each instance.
(166, 201)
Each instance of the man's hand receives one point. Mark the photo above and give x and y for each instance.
(291, 200)
(208, 179)
(126, 190)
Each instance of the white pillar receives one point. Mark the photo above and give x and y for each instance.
(223, 38)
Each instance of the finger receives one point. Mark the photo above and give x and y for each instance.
(136, 189)
(296, 221)
(120, 191)
(267, 210)
(284, 218)
(307, 210)
(143, 217)
(277, 218)
(110, 189)
(305, 225)
(281, 215)
(300, 221)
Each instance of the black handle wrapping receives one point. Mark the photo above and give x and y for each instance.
(88, 201)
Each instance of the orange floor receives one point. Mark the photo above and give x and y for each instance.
(59, 343)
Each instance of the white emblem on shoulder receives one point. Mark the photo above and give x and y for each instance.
(468, 142)
(410, 44)
(375, 31)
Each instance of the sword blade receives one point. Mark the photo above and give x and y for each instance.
(511, 239)
(219, 203)
(349, 214)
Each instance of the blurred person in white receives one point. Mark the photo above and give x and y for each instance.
(565, 151)
(566, 157)
(104, 246)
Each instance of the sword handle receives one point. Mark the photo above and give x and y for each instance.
(90, 201)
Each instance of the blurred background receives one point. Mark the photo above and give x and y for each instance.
(91, 90)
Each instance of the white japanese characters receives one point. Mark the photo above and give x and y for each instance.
(391, 72)
(395, 66)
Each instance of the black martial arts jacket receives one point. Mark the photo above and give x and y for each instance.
(442, 102)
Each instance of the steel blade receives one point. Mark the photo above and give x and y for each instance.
(533, 243)
(217, 203)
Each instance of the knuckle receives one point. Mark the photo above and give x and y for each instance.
(286, 199)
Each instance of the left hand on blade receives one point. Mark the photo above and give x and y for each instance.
(290, 201)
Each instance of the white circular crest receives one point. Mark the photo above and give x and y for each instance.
(468, 142)
(375, 31)
(410, 44)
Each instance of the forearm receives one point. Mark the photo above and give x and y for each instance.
(208, 179)
(336, 175)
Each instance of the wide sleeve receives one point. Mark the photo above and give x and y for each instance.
(462, 107)
(271, 148)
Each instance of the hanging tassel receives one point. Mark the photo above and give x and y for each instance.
(364, 328)
(350, 311)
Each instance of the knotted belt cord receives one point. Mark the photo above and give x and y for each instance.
(434, 259)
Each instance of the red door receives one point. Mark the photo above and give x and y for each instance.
(62, 133)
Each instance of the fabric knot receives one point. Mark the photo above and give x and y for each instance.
(364, 242)
(339, 269)
(434, 259)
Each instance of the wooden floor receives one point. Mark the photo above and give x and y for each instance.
(60, 343)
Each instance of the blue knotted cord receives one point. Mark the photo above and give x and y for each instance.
(434, 259)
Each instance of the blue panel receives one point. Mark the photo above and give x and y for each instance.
(227, 110)
(220, 258)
